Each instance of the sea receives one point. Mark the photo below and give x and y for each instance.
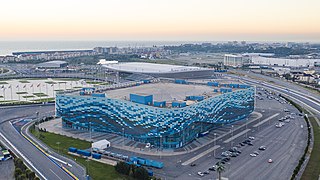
(7, 47)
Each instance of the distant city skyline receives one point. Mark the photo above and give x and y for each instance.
(175, 20)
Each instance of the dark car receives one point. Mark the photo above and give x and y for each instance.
(192, 164)
(250, 144)
(242, 144)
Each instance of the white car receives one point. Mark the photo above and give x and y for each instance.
(200, 174)
(148, 145)
(251, 137)
(253, 155)
(270, 161)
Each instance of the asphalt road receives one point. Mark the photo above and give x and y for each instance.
(42, 163)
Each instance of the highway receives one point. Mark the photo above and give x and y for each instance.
(41, 164)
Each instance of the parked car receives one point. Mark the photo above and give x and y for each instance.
(253, 155)
(262, 148)
(192, 164)
(270, 161)
(213, 168)
(251, 137)
(200, 174)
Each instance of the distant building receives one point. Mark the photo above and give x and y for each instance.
(236, 60)
(285, 62)
(52, 65)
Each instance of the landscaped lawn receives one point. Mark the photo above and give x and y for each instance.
(61, 143)
(40, 94)
(24, 81)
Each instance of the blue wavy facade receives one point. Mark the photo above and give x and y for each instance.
(168, 127)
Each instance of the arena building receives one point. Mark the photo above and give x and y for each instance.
(165, 113)
(163, 70)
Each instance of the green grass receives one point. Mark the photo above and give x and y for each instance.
(62, 82)
(93, 82)
(66, 79)
(7, 101)
(24, 81)
(3, 82)
(50, 82)
(312, 170)
(29, 96)
(97, 170)
(77, 87)
(1, 96)
(44, 100)
(40, 94)
(21, 93)
(59, 90)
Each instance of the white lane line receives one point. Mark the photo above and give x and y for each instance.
(55, 174)
(200, 155)
(267, 119)
(236, 136)
(22, 156)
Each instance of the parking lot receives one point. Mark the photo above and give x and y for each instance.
(283, 146)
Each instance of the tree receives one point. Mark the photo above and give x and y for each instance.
(220, 169)
(141, 173)
(22, 177)
(17, 172)
(32, 175)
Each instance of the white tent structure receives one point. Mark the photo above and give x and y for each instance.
(100, 145)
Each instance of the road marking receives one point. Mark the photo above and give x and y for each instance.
(236, 136)
(55, 174)
(200, 155)
(267, 119)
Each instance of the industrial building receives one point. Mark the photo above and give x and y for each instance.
(165, 113)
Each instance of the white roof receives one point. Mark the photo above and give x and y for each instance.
(101, 142)
(103, 62)
(140, 67)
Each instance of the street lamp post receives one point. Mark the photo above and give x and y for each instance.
(58, 143)
(123, 136)
(231, 135)
(214, 150)
(160, 146)
(246, 127)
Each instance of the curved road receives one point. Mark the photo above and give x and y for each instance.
(40, 163)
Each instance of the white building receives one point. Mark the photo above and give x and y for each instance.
(236, 60)
(284, 62)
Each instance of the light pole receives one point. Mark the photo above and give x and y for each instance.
(246, 127)
(160, 146)
(87, 167)
(214, 150)
(231, 135)
(123, 137)
(58, 143)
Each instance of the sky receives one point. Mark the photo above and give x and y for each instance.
(161, 20)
